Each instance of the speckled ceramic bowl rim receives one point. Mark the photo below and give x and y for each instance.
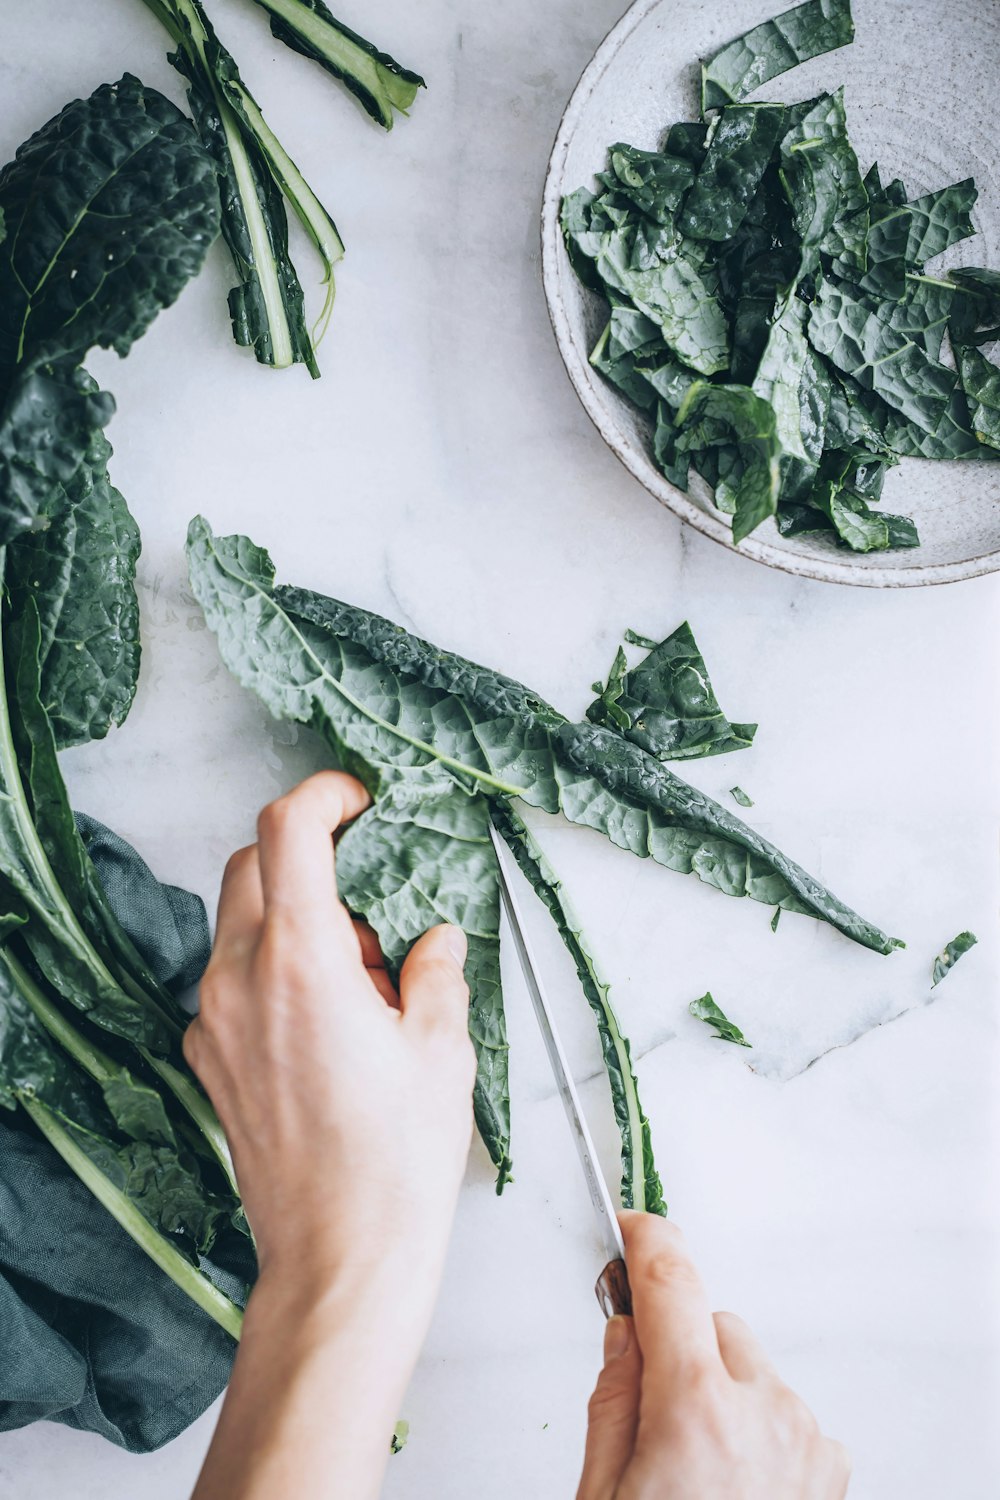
(830, 569)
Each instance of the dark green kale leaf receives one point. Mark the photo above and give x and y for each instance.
(433, 736)
(706, 1010)
(981, 383)
(810, 276)
(72, 275)
(666, 703)
(399, 702)
(80, 568)
(824, 185)
(49, 421)
(939, 220)
(950, 954)
(422, 855)
(794, 383)
(921, 313)
(653, 181)
(267, 306)
(773, 47)
(731, 415)
(662, 282)
(975, 312)
(737, 158)
(864, 345)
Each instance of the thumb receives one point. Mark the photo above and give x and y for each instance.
(613, 1413)
(433, 993)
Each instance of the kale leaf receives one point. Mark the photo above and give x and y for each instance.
(773, 47)
(436, 738)
(706, 1010)
(950, 954)
(666, 703)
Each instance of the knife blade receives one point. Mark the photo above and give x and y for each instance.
(612, 1287)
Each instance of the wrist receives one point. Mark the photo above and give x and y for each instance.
(380, 1302)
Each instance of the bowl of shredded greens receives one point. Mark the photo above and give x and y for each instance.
(771, 255)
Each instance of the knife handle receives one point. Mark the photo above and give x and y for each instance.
(613, 1291)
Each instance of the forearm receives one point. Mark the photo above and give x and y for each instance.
(316, 1389)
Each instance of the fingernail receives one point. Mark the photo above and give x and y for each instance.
(617, 1337)
(458, 944)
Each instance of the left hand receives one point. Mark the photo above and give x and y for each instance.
(347, 1106)
(348, 1111)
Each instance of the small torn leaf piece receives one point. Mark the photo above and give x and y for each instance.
(950, 954)
(666, 703)
(706, 1010)
(720, 415)
(981, 382)
(400, 1436)
(730, 175)
(776, 919)
(975, 311)
(739, 795)
(655, 181)
(823, 184)
(773, 47)
(939, 220)
(863, 345)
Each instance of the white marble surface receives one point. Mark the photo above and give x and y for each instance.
(443, 471)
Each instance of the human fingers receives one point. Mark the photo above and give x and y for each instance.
(241, 903)
(742, 1353)
(613, 1413)
(833, 1472)
(371, 949)
(673, 1320)
(385, 987)
(296, 845)
(432, 989)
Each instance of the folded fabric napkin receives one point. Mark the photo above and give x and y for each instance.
(92, 1334)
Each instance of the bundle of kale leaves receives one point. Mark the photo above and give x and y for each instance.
(769, 306)
(105, 214)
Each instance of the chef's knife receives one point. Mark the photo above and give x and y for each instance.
(612, 1285)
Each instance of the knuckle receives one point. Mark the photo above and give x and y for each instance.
(238, 861)
(610, 1398)
(440, 974)
(210, 991)
(282, 961)
(700, 1385)
(665, 1268)
(275, 816)
(649, 1236)
(840, 1460)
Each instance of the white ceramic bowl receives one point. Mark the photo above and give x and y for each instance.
(921, 98)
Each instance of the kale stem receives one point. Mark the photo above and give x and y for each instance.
(193, 1282)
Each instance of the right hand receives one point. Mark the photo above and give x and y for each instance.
(688, 1407)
